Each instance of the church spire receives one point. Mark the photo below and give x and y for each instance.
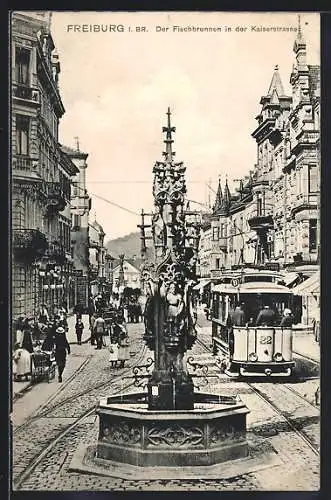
(168, 153)
(219, 198)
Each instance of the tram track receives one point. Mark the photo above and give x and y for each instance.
(18, 481)
(36, 455)
(258, 390)
(43, 410)
(264, 391)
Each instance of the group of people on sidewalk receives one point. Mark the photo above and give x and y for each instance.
(47, 334)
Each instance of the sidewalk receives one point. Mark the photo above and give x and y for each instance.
(20, 388)
(306, 345)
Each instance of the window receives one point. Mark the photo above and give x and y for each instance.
(76, 220)
(259, 205)
(312, 178)
(215, 233)
(22, 60)
(22, 135)
(223, 230)
(312, 234)
(217, 263)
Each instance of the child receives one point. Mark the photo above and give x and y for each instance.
(79, 330)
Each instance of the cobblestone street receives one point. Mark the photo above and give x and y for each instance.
(50, 421)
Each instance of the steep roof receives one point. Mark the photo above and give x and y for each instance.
(218, 199)
(276, 84)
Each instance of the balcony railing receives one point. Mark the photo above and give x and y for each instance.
(22, 91)
(261, 221)
(29, 244)
(56, 198)
(24, 164)
(304, 202)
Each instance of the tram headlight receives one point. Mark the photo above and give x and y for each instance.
(252, 356)
(278, 356)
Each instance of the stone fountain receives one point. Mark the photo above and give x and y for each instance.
(152, 433)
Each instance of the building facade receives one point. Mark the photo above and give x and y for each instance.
(273, 216)
(131, 275)
(41, 171)
(79, 235)
(97, 257)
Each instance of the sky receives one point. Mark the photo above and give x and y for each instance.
(116, 88)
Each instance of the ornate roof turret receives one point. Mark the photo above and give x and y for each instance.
(226, 200)
(219, 198)
(300, 50)
(276, 85)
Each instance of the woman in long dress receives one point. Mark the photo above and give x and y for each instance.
(123, 347)
(21, 363)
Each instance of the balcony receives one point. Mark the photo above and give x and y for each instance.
(29, 244)
(24, 166)
(55, 198)
(304, 202)
(261, 222)
(306, 139)
(27, 93)
(56, 253)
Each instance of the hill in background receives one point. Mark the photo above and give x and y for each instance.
(129, 245)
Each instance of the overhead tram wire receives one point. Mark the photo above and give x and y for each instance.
(131, 211)
(115, 204)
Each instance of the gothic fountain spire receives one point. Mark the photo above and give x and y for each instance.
(168, 130)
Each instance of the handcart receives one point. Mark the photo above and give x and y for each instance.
(43, 366)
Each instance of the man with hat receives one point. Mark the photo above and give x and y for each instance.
(61, 348)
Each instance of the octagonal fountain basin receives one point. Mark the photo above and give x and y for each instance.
(213, 432)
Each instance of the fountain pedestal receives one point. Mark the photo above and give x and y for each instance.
(208, 434)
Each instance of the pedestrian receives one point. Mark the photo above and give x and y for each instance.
(99, 330)
(21, 363)
(113, 348)
(49, 341)
(123, 346)
(92, 323)
(61, 348)
(78, 311)
(43, 316)
(287, 319)
(238, 316)
(266, 317)
(27, 336)
(79, 330)
(19, 330)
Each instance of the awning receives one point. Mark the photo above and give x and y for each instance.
(201, 285)
(310, 286)
(290, 278)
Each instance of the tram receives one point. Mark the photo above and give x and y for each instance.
(252, 349)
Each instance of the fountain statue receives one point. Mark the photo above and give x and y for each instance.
(170, 425)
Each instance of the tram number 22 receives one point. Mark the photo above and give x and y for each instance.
(265, 339)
